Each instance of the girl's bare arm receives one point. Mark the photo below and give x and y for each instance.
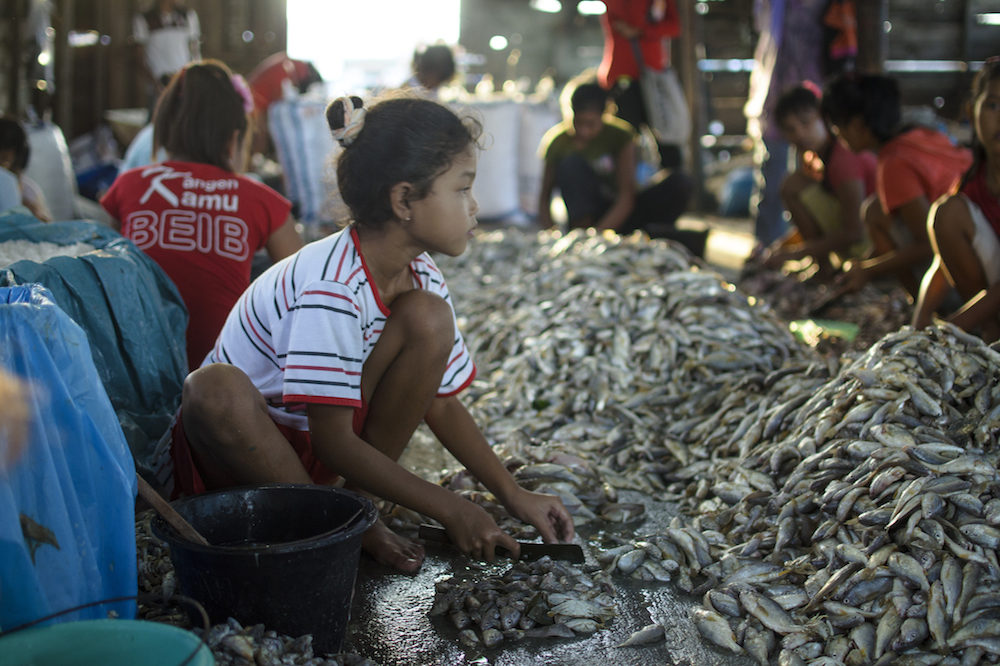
(455, 428)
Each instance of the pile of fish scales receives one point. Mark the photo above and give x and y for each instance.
(835, 515)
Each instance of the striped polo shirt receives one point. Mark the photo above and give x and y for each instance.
(303, 330)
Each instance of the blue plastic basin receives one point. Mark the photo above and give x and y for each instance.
(104, 642)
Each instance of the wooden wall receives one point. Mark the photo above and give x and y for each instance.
(91, 79)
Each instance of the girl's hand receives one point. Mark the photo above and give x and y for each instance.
(476, 534)
(545, 512)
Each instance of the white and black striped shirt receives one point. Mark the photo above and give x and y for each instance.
(304, 329)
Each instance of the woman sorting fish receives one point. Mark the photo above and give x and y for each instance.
(333, 357)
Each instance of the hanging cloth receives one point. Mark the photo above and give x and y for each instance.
(841, 48)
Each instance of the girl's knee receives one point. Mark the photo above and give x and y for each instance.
(424, 316)
(218, 389)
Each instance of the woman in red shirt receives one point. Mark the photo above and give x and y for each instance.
(195, 214)
(646, 27)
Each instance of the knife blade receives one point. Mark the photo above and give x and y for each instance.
(570, 552)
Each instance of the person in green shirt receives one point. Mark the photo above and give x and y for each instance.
(591, 159)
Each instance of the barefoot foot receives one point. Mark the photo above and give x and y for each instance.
(388, 548)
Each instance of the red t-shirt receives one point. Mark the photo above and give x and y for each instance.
(266, 79)
(619, 56)
(842, 165)
(918, 162)
(202, 225)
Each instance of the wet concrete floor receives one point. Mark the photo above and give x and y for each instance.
(390, 625)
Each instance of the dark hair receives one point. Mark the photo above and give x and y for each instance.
(198, 112)
(434, 62)
(403, 139)
(13, 137)
(589, 97)
(987, 75)
(795, 101)
(873, 97)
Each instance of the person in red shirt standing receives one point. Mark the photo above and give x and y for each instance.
(644, 27)
(198, 218)
(915, 166)
(267, 83)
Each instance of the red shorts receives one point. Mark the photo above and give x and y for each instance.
(188, 480)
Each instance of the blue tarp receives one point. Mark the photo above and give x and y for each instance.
(67, 523)
(131, 312)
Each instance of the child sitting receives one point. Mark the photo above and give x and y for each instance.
(591, 159)
(964, 226)
(334, 356)
(915, 166)
(825, 193)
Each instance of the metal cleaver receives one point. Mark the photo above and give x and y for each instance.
(570, 552)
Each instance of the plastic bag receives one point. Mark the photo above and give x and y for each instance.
(132, 314)
(306, 151)
(67, 522)
(666, 106)
(495, 187)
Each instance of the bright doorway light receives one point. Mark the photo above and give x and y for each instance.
(360, 45)
(498, 42)
(591, 7)
(547, 6)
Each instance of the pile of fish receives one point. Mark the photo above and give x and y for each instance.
(540, 599)
(831, 509)
(877, 308)
(232, 644)
(826, 508)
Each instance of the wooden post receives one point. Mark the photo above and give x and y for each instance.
(15, 57)
(873, 41)
(690, 42)
(62, 23)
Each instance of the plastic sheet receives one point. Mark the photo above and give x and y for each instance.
(495, 187)
(132, 314)
(536, 120)
(306, 151)
(50, 166)
(67, 523)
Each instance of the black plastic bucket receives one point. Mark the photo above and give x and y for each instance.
(284, 555)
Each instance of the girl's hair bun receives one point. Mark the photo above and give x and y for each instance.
(346, 117)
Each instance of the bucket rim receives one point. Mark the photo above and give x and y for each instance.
(359, 523)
